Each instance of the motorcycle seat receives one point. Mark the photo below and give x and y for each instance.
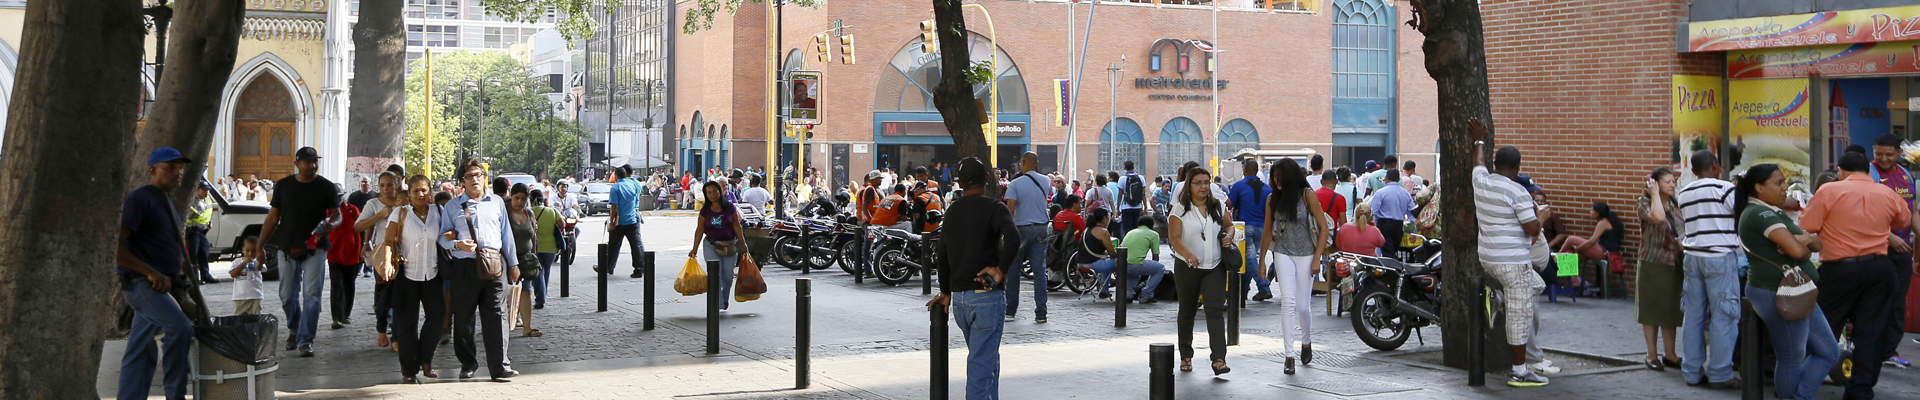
(902, 234)
(1412, 269)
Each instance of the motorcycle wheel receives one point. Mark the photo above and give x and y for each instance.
(787, 252)
(850, 256)
(819, 259)
(892, 270)
(1375, 320)
(1843, 371)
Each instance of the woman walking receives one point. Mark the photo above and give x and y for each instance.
(1657, 304)
(547, 223)
(1804, 350)
(414, 232)
(719, 224)
(1196, 235)
(520, 294)
(1296, 231)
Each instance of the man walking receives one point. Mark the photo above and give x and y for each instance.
(1855, 218)
(1887, 171)
(1392, 207)
(473, 221)
(624, 224)
(1133, 197)
(1248, 199)
(148, 255)
(1027, 197)
(974, 252)
(1507, 226)
(1710, 292)
(305, 207)
(1318, 166)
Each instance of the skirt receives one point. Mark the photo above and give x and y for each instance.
(1657, 302)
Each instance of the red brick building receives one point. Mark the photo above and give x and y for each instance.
(1280, 87)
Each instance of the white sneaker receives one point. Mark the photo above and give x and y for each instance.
(1009, 318)
(1544, 367)
(1529, 380)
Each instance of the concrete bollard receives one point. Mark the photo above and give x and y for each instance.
(937, 381)
(1160, 371)
(802, 331)
(606, 264)
(1121, 286)
(646, 309)
(713, 307)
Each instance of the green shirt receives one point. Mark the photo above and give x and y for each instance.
(1764, 255)
(544, 221)
(1140, 238)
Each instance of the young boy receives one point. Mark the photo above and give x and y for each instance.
(246, 278)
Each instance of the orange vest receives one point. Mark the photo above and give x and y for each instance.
(887, 212)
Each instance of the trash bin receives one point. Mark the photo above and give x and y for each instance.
(234, 357)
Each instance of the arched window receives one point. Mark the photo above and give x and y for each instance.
(1121, 144)
(1237, 135)
(906, 84)
(1363, 73)
(1179, 143)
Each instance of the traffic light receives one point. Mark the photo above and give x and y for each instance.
(846, 49)
(929, 40)
(820, 46)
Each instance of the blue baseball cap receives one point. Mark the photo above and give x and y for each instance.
(1371, 165)
(165, 154)
(1527, 182)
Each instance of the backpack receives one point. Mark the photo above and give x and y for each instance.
(1136, 189)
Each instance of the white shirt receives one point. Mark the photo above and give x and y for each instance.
(569, 206)
(756, 196)
(379, 230)
(1200, 233)
(247, 287)
(419, 242)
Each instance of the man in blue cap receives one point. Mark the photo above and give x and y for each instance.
(149, 254)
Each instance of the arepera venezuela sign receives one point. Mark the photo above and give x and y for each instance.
(1822, 28)
(1830, 60)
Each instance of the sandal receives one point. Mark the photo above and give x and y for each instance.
(530, 332)
(383, 342)
(1186, 365)
(1220, 367)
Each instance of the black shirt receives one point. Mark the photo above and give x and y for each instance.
(359, 200)
(155, 240)
(302, 205)
(970, 244)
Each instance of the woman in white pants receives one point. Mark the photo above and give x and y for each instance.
(1296, 233)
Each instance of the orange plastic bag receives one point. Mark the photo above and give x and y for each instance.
(692, 280)
(749, 285)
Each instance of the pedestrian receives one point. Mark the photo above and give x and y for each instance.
(1331, 202)
(1887, 171)
(477, 221)
(1026, 196)
(1657, 302)
(1855, 218)
(569, 207)
(305, 207)
(247, 283)
(624, 203)
(893, 211)
(149, 254)
(1347, 189)
(719, 226)
(1317, 167)
(868, 204)
(414, 231)
(1507, 226)
(344, 265)
(1378, 177)
(1248, 201)
(1198, 229)
(1709, 291)
(1408, 180)
(525, 241)
(756, 195)
(1139, 242)
(372, 225)
(362, 194)
(550, 224)
(925, 202)
(1804, 351)
(972, 255)
(1392, 207)
(1359, 236)
(1134, 198)
(1295, 231)
(1162, 202)
(1604, 245)
(198, 223)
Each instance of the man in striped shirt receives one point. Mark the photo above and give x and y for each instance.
(1710, 294)
(1507, 227)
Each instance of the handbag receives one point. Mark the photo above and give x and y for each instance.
(725, 248)
(1796, 296)
(489, 261)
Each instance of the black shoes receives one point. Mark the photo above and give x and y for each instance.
(1149, 300)
(290, 342)
(636, 274)
(1306, 354)
(1289, 370)
(1263, 296)
(1040, 319)
(503, 377)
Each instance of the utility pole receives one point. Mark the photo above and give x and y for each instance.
(1113, 111)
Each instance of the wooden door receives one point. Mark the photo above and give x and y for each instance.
(263, 148)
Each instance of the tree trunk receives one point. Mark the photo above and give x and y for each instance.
(72, 118)
(186, 108)
(376, 119)
(1456, 59)
(954, 95)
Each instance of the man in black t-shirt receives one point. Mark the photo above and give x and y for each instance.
(365, 192)
(305, 207)
(974, 252)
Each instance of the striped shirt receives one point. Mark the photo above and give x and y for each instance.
(1707, 207)
(1501, 207)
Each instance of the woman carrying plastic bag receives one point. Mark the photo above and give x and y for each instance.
(719, 224)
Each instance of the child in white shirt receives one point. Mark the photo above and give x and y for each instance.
(247, 282)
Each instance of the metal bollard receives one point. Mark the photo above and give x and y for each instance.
(606, 264)
(802, 331)
(860, 268)
(713, 307)
(1234, 298)
(1160, 371)
(646, 308)
(1477, 330)
(1121, 286)
(926, 273)
(937, 383)
(565, 275)
(806, 243)
(1750, 388)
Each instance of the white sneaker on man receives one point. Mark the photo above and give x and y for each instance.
(1544, 367)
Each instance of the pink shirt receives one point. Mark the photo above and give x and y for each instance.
(1352, 239)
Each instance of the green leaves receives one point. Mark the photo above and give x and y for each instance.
(980, 72)
(488, 104)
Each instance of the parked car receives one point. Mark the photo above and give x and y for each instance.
(597, 198)
(231, 223)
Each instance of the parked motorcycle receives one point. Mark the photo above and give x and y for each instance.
(901, 254)
(1391, 298)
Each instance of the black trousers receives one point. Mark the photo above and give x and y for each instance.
(630, 233)
(1902, 277)
(471, 294)
(1195, 285)
(382, 305)
(341, 293)
(409, 298)
(1860, 290)
(1393, 230)
(1129, 218)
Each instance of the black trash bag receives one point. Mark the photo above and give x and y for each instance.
(245, 338)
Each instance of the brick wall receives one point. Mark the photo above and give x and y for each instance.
(1580, 86)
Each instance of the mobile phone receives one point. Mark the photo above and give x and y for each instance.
(987, 281)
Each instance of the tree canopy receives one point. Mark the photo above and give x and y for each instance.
(488, 104)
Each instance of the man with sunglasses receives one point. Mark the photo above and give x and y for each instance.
(475, 220)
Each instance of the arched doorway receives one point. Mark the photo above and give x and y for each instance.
(263, 129)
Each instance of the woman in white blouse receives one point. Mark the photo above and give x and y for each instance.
(1194, 232)
(414, 231)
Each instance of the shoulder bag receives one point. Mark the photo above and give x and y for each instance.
(489, 261)
(1796, 296)
(727, 248)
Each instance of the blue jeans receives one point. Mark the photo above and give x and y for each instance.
(546, 274)
(1710, 300)
(300, 284)
(727, 264)
(198, 254)
(155, 313)
(1032, 254)
(978, 316)
(1249, 278)
(1150, 269)
(1804, 351)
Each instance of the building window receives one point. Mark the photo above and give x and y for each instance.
(433, 36)
(1362, 49)
(1179, 143)
(1125, 143)
(1237, 135)
(907, 84)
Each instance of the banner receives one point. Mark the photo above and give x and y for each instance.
(1698, 119)
(1769, 122)
(1062, 102)
(1800, 30)
(1834, 60)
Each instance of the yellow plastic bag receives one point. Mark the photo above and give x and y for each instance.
(692, 280)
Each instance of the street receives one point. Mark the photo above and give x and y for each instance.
(870, 341)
